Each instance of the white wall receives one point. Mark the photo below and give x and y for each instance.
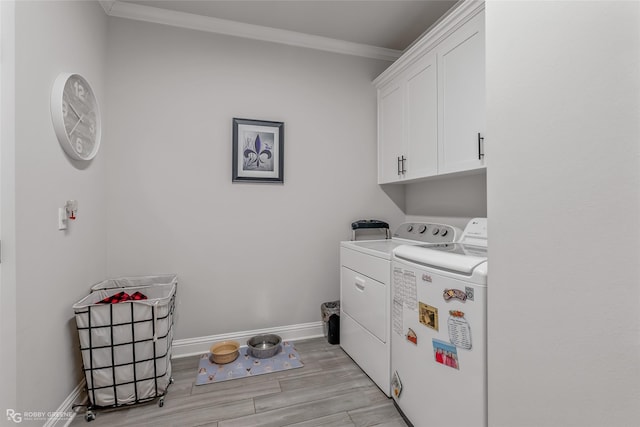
(564, 213)
(248, 256)
(450, 199)
(8, 377)
(54, 269)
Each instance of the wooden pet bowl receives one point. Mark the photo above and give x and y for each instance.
(225, 352)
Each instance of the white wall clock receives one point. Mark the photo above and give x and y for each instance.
(76, 116)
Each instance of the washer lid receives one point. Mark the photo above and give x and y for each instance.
(380, 248)
(456, 257)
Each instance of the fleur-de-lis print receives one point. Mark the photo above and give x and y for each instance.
(259, 154)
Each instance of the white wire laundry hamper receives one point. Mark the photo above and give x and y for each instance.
(126, 347)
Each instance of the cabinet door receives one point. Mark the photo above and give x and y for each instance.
(390, 132)
(461, 75)
(422, 119)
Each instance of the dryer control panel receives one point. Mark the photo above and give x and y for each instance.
(428, 232)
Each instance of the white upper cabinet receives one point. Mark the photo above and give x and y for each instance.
(407, 124)
(390, 130)
(421, 119)
(431, 102)
(462, 98)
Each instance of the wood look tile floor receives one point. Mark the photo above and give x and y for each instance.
(330, 390)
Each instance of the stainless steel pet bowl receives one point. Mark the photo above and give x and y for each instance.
(264, 346)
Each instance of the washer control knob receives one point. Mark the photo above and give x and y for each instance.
(435, 231)
(444, 232)
(422, 229)
(410, 228)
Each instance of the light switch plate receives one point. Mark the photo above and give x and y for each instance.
(62, 219)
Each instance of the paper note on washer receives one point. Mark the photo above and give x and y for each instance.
(396, 316)
(398, 301)
(410, 290)
(405, 288)
(398, 285)
(459, 330)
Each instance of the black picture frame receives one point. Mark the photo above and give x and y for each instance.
(258, 151)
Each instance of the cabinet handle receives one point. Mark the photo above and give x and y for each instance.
(403, 160)
(399, 166)
(359, 284)
(480, 141)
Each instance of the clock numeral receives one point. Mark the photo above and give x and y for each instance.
(92, 128)
(65, 109)
(79, 145)
(80, 90)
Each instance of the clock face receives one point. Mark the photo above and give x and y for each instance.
(76, 116)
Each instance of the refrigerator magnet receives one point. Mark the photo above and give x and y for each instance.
(469, 291)
(428, 316)
(396, 384)
(454, 293)
(412, 337)
(445, 354)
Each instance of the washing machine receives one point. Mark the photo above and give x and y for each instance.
(365, 294)
(439, 334)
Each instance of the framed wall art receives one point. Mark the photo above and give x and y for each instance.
(258, 151)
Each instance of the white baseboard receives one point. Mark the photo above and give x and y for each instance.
(60, 417)
(199, 345)
(196, 346)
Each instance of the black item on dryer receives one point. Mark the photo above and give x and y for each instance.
(334, 329)
(368, 224)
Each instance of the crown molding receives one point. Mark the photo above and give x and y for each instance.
(191, 21)
(107, 5)
(457, 17)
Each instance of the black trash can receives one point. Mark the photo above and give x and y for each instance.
(329, 310)
(334, 329)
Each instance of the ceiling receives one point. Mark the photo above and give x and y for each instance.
(390, 24)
